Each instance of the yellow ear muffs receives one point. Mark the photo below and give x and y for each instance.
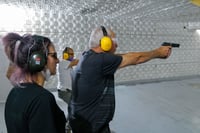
(106, 43)
(66, 56)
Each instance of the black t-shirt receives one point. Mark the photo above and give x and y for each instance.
(33, 109)
(93, 96)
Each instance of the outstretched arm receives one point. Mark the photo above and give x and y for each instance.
(134, 58)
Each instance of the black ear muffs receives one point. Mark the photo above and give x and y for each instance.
(37, 59)
(37, 62)
(105, 42)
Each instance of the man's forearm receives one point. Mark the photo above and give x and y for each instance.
(134, 58)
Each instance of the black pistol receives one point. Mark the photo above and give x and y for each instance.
(171, 44)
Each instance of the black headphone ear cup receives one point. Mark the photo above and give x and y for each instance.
(37, 62)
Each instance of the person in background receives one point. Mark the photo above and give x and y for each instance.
(65, 68)
(93, 97)
(30, 107)
(64, 71)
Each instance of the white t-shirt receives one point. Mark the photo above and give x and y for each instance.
(64, 75)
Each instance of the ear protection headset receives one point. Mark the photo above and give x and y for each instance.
(37, 59)
(105, 42)
(65, 54)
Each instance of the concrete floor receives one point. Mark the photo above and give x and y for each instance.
(161, 107)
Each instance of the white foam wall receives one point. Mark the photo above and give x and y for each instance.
(5, 85)
(69, 30)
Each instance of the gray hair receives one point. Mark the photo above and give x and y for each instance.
(96, 36)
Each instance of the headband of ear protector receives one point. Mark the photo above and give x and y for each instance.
(37, 59)
(65, 54)
(105, 42)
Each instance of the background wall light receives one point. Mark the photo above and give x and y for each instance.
(12, 17)
(192, 26)
(198, 31)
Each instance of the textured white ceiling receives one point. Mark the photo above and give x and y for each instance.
(158, 10)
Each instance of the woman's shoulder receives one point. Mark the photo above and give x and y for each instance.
(41, 94)
(35, 90)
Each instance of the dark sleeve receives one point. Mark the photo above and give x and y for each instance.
(110, 63)
(45, 116)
